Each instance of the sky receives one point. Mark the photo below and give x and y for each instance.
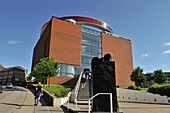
(145, 22)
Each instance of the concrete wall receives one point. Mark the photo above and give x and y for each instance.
(53, 101)
(127, 95)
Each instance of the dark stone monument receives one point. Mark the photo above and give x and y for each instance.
(104, 81)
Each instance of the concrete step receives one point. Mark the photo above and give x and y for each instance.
(80, 109)
(83, 103)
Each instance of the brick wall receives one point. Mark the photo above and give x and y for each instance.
(122, 55)
(65, 43)
(42, 47)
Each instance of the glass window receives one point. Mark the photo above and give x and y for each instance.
(91, 46)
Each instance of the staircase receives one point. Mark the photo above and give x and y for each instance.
(85, 94)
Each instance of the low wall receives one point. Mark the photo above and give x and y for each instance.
(127, 95)
(50, 100)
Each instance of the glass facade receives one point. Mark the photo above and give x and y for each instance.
(90, 47)
(67, 70)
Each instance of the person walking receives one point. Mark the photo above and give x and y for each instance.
(83, 82)
(38, 93)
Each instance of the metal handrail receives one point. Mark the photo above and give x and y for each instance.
(111, 109)
(77, 88)
(69, 94)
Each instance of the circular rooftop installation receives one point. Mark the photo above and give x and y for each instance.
(90, 22)
(84, 21)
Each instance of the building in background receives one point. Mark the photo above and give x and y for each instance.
(2, 66)
(73, 44)
(150, 78)
(15, 74)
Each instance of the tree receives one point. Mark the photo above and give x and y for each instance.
(160, 77)
(29, 77)
(137, 76)
(46, 68)
(36, 72)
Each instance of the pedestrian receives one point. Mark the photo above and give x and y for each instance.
(83, 82)
(38, 93)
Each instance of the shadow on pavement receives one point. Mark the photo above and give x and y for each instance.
(13, 89)
(14, 104)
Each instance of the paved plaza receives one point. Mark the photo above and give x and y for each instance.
(143, 108)
(21, 100)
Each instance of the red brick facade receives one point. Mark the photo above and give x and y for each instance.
(122, 55)
(63, 40)
(42, 47)
(65, 44)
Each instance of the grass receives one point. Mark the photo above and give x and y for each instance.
(57, 90)
(144, 89)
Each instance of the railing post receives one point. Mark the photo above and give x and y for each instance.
(68, 103)
(76, 100)
(89, 106)
(111, 106)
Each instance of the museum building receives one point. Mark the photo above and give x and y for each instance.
(75, 40)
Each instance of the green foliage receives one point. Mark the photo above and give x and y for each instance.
(160, 77)
(62, 92)
(138, 88)
(29, 77)
(137, 76)
(134, 87)
(46, 68)
(131, 87)
(160, 89)
(144, 89)
(118, 86)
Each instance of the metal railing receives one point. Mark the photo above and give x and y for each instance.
(111, 109)
(77, 87)
(76, 90)
(69, 94)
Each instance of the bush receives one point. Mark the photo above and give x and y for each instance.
(118, 86)
(160, 89)
(138, 88)
(134, 87)
(62, 92)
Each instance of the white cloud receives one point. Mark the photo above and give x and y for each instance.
(145, 55)
(166, 52)
(167, 44)
(13, 42)
(164, 66)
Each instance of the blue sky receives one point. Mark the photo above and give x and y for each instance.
(145, 22)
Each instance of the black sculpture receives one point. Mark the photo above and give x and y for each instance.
(104, 81)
